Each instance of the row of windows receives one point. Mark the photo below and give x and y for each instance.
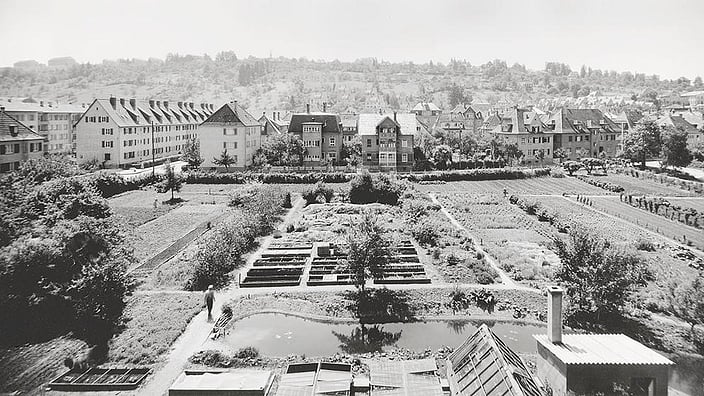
(106, 131)
(15, 148)
(108, 143)
(229, 145)
(607, 137)
(21, 117)
(389, 144)
(578, 138)
(311, 128)
(97, 119)
(62, 136)
(386, 159)
(6, 167)
(54, 117)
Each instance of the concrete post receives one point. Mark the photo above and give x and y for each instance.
(555, 314)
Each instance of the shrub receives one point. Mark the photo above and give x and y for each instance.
(478, 174)
(366, 188)
(248, 352)
(287, 200)
(645, 245)
(427, 232)
(320, 190)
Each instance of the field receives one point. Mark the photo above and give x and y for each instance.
(635, 186)
(519, 242)
(534, 186)
(669, 228)
(694, 203)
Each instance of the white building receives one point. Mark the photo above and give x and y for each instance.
(233, 129)
(130, 133)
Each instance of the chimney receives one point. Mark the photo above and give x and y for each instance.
(133, 104)
(555, 314)
(325, 106)
(394, 116)
(151, 102)
(113, 102)
(308, 108)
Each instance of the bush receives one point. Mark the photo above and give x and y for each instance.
(601, 184)
(645, 245)
(366, 188)
(478, 175)
(311, 195)
(287, 200)
(427, 232)
(203, 177)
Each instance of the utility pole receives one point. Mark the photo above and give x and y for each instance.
(153, 155)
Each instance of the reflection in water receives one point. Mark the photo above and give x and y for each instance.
(365, 339)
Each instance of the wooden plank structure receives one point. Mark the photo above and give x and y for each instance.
(99, 379)
(404, 378)
(311, 379)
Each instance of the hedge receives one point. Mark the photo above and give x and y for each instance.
(608, 186)
(203, 177)
(478, 175)
(664, 208)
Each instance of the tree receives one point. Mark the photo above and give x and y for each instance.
(599, 276)
(674, 148)
(191, 153)
(540, 156)
(456, 96)
(686, 301)
(592, 163)
(642, 142)
(560, 154)
(572, 166)
(442, 157)
(351, 152)
(171, 181)
(513, 152)
(368, 252)
(225, 160)
(698, 82)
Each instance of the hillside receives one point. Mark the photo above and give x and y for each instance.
(282, 83)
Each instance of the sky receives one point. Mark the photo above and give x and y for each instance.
(662, 37)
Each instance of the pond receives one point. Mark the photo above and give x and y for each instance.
(281, 335)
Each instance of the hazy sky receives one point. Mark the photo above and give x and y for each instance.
(655, 37)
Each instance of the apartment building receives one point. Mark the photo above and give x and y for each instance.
(584, 133)
(121, 133)
(18, 143)
(525, 129)
(53, 121)
(230, 128)
(387, 141)
(321, 134)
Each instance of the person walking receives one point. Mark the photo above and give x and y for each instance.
(209, 300)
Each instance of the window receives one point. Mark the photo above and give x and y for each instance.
(404, 143)
(16, 148)
(404, 157)
(369, 142)
(569, 138)
(229, 145)
(332, 142)
(523, 140)
(369, 157)
(107, 157)
(382, 156)
(3, 149)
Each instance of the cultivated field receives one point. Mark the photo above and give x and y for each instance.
(534, 186)
(636, 186)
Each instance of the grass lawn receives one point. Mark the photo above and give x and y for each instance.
(152, 323)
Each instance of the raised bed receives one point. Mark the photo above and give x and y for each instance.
(98, 379)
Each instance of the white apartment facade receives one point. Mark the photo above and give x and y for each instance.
(124, 133)
(230, 128)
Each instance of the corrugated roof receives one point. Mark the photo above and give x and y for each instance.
(484, 366)
(601, 349)
(23, 133)
(310, 379)
(366, 125)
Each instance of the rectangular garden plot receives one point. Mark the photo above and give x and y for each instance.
(329, 270)
(97, 379)
(404, 267)
(273, 276)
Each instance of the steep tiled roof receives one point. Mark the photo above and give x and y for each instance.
(694, 117)
(17, 105)
(145, 112)
(331, 122)
(232, 112)
(484, 366)
(367, 123)
(601, 349)
(579, 121)
(21, 131)
(676, 122)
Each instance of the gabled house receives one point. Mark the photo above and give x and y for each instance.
(426, 109)
(694, 135)
(349, 126)
(387, 141)
(321, 134)
(18, 143)
(233, 129)
(273, 124)
(584, 133)
(524, 129)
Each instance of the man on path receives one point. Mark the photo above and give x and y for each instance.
(209, 299)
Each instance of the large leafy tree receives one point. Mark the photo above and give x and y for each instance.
(674, 148)
(599, 276)
(368, 251)
(225, 160)
(282, 150)
(442, 156)
(191, 153)
(642, 142)
(687, 301)
(351, 152)
(513, 153)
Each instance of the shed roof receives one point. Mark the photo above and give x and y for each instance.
(601, 349)
(484, 366)
(404, 377)
(235, 381)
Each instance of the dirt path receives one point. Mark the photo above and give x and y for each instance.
(505, 279)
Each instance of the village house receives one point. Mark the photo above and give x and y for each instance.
(426, 109)
(387, 141)
(121, 133)
(273, 124)
(53, 121)
(230, 128)
(524, 129)
(584, 133)
(349, 126)
(584, 364)
(321, 134)
(694, 135)
(18, 143)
